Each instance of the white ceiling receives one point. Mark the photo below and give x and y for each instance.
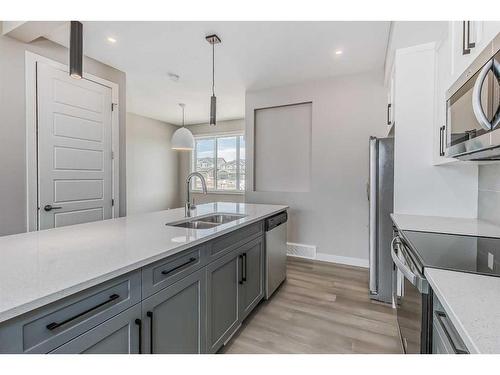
(253, 55)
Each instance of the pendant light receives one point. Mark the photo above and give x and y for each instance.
(213, 40)
(76, 50)
(182, 139)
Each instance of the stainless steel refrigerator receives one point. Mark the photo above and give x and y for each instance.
(381, 203)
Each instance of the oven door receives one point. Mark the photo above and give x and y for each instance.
(411, 296)
(473, 108)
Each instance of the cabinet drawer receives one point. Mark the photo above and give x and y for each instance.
(233, 240)
(44, 329)
(167, 271)
(118, 335)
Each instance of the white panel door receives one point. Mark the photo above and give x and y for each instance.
(74, 149)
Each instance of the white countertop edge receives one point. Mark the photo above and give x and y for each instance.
(447, 225)
(462, 331)
(53, 297)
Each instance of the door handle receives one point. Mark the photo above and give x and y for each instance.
(441, 140)
(469, 44)
(138, 322)
(149, 314)
(245, 268)
(241, 269)
(49, 207)
(465, 41)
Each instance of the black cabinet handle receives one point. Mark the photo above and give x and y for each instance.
(150, 316)
(465, 37)
(389, 113)
(139, 323)
(49, 207)
(441, 140)
(244, 278)
(55, 325)
(241, 269)
(191, 260)
(469, 44)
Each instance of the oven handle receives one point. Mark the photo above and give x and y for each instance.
(417, 280)
(476, 96)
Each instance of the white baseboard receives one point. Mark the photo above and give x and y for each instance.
(349, 261)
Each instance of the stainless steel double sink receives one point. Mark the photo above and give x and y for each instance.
(206, 221)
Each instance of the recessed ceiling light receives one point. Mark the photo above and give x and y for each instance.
(173, 77)
(111, 39)
(338, 52)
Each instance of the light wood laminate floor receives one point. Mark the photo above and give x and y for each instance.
(321, 308)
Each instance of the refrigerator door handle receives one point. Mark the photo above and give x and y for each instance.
(373, 284)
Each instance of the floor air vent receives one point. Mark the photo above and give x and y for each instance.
(300, 250)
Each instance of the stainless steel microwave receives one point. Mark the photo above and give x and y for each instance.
(472, 109)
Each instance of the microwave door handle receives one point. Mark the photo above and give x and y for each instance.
(476, 97)
(496, 118)
(417, 280)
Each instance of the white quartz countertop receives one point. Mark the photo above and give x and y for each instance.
(439, 224)
(472, 303)
(38, 268)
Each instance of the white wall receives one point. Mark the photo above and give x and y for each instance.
(185, 162)
(420, 188)
(152, 165)
(333, 215)
(410, 33)
(13, 125)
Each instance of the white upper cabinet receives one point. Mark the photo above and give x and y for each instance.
(468, 38)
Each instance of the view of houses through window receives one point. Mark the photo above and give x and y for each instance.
(221, 160)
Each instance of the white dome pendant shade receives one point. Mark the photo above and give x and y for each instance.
(182, 139)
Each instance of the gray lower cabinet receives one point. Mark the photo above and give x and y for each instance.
(251, 284)
(223, 276)
(118, 335)
(174, 318)
(190, 303)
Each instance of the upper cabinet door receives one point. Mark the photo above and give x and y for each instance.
(468, 39)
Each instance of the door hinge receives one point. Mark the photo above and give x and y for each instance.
(113, 106)
(112, 202)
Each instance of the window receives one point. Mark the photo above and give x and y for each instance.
(221, 160)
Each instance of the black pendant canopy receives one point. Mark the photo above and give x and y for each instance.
(76, 50)
(213, 40)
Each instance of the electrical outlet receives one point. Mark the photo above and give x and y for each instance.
(490, 261)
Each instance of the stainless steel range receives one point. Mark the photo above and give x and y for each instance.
(411, 253)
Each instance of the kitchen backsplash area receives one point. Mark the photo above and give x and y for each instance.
(489, 192)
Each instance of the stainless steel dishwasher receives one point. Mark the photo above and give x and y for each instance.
(275, 252)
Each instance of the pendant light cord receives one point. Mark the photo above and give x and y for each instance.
(213, 69)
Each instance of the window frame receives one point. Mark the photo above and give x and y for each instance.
(215, 137)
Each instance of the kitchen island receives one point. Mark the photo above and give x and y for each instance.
(94, 287)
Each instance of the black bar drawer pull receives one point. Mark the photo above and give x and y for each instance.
(389, 114)
(55, 325)
(191, 260)
(139, 323)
